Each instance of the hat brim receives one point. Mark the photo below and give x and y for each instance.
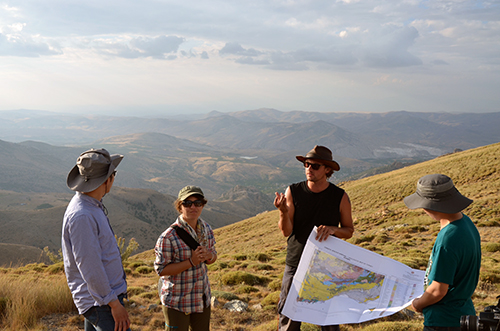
(77, 182)
(332, 164)
(453, 204)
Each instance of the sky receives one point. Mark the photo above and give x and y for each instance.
(160, 57)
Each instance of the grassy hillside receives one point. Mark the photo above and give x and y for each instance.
(252, 252)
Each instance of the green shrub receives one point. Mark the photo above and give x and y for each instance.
(490, 277)
(55, 268)
(54, 258)
(381, 238)
(136, 264)
(126, 251)
(490, 247)
(135, 290)
(144, 270)
(271, 299)
(219, 265)
(149, 295)
(240, 257)
(361, 239)
(246, 289)
(225, 295)
(239, 277)
(261, 257)
(261, 266)
(275, 285)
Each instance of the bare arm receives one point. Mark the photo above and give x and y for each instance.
(346, 228)
(284, 203)
(434, 293)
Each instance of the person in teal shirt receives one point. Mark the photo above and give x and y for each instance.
(453, 270)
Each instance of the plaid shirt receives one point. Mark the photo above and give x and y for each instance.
(184, 291)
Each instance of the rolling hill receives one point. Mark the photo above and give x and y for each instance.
(251, 252)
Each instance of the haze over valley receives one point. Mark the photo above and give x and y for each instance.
(239, 159)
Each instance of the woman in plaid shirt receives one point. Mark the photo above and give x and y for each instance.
(184, 287)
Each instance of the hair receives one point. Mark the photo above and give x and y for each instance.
(178, 203)
(330, 172)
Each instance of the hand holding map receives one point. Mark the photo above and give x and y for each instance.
(340, 283)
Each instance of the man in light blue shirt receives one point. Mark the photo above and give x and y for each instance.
(92, 259)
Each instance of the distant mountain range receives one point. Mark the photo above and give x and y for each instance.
(352, 135)
(239, 159)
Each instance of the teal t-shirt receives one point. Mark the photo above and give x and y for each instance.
(455, 260)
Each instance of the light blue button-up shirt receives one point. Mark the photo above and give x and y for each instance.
(92, 260)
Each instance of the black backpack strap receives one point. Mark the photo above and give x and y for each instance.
(186, 237)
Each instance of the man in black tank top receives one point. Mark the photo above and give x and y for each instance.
(304, 205)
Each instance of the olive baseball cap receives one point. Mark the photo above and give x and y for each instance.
(188, 191)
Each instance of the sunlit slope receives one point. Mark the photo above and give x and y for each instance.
(382, 221)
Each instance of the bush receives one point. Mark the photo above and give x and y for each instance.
(275, 285)
(261, 257)
(246, 289)
(135, 290)
(225, 295)
(55, 268)
(261, 266)
(240, 257)
(271, 299)
(145, 270)
(125, 252)
(239, 277)
(490, 247)
(134, 265)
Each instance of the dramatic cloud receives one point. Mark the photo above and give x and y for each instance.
(227, 55)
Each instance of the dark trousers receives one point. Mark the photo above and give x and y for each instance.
(178, 321)
(99, 318)
(286, 324)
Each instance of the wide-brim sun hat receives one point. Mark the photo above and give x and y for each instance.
(322, 154)
(188, 191)
(93, 168)
(438, 193)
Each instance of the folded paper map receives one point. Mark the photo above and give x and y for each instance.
(340, 283)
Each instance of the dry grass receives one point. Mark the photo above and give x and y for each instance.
(252, 252)
(30, 293)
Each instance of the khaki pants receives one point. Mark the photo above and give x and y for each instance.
(179, 321)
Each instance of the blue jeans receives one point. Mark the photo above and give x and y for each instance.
(99, 318)
(441, 328)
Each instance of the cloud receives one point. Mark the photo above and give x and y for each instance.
(337, 45)
(160, 47)
(233, 48)
(17, 45)
(390, 48)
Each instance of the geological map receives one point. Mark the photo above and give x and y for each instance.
(328, 276)
(340, 283)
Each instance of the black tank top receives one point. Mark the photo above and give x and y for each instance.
(311, 209)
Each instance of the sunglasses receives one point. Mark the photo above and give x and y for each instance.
(315, 166)
(189, 203)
